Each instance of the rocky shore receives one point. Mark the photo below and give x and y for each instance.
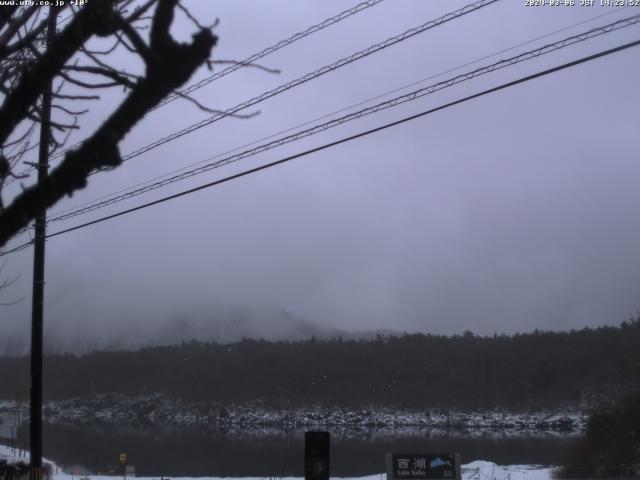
(158, 409)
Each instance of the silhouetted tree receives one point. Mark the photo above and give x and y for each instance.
(541, 370)
(611, 445)
(28, 64)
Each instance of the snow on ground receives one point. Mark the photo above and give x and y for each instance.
(478, 470)
(481, 470)
(11, 456)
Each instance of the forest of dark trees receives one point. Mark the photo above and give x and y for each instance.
(610, 448)
(524, 371)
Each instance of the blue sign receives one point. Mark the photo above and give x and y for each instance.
(419, 466)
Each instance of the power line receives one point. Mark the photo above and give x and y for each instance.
(373, 109)
(361, 113)
(353, 137)
(344, 109)
(307, 77)
(344, 61)
(16, 249)
(249, 60)
(273, 48)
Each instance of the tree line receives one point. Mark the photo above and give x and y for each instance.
(524, 371)
(610, 447)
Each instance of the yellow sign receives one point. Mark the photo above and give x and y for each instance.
(123, 458)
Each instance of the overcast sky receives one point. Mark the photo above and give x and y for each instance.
(515, 211)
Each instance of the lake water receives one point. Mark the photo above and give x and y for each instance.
(199, 450)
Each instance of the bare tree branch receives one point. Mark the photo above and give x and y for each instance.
(16, 24)
(117, 77)
(108, 51)
(140, 11)
(68, 111)
(169, 64)
(76, 97)
(6, 13)
(136, 40)
(24, 41)
(88, 85)
(7, 283)
(94, 18)
(244, 64)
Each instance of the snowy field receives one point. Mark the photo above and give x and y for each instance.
(478, 470)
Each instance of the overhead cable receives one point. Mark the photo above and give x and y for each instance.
(341, 110)
(355, 136)
(307, 77)
(277, 46)
(249, 60)
(16, 249)
(358, 114)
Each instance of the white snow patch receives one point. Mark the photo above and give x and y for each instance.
(12, 455)
(477, 470)
(482, 470)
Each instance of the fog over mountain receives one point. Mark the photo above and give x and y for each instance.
(220, 324)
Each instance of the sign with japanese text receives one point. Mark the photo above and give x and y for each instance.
(423, 466)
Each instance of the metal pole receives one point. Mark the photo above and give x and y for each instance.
(35, 421)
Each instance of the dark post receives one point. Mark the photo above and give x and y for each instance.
(316, 455)
(35, 422)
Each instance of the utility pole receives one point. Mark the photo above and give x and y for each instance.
(37, 305)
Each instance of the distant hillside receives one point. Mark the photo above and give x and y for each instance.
(219, 324)
(537, 370)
